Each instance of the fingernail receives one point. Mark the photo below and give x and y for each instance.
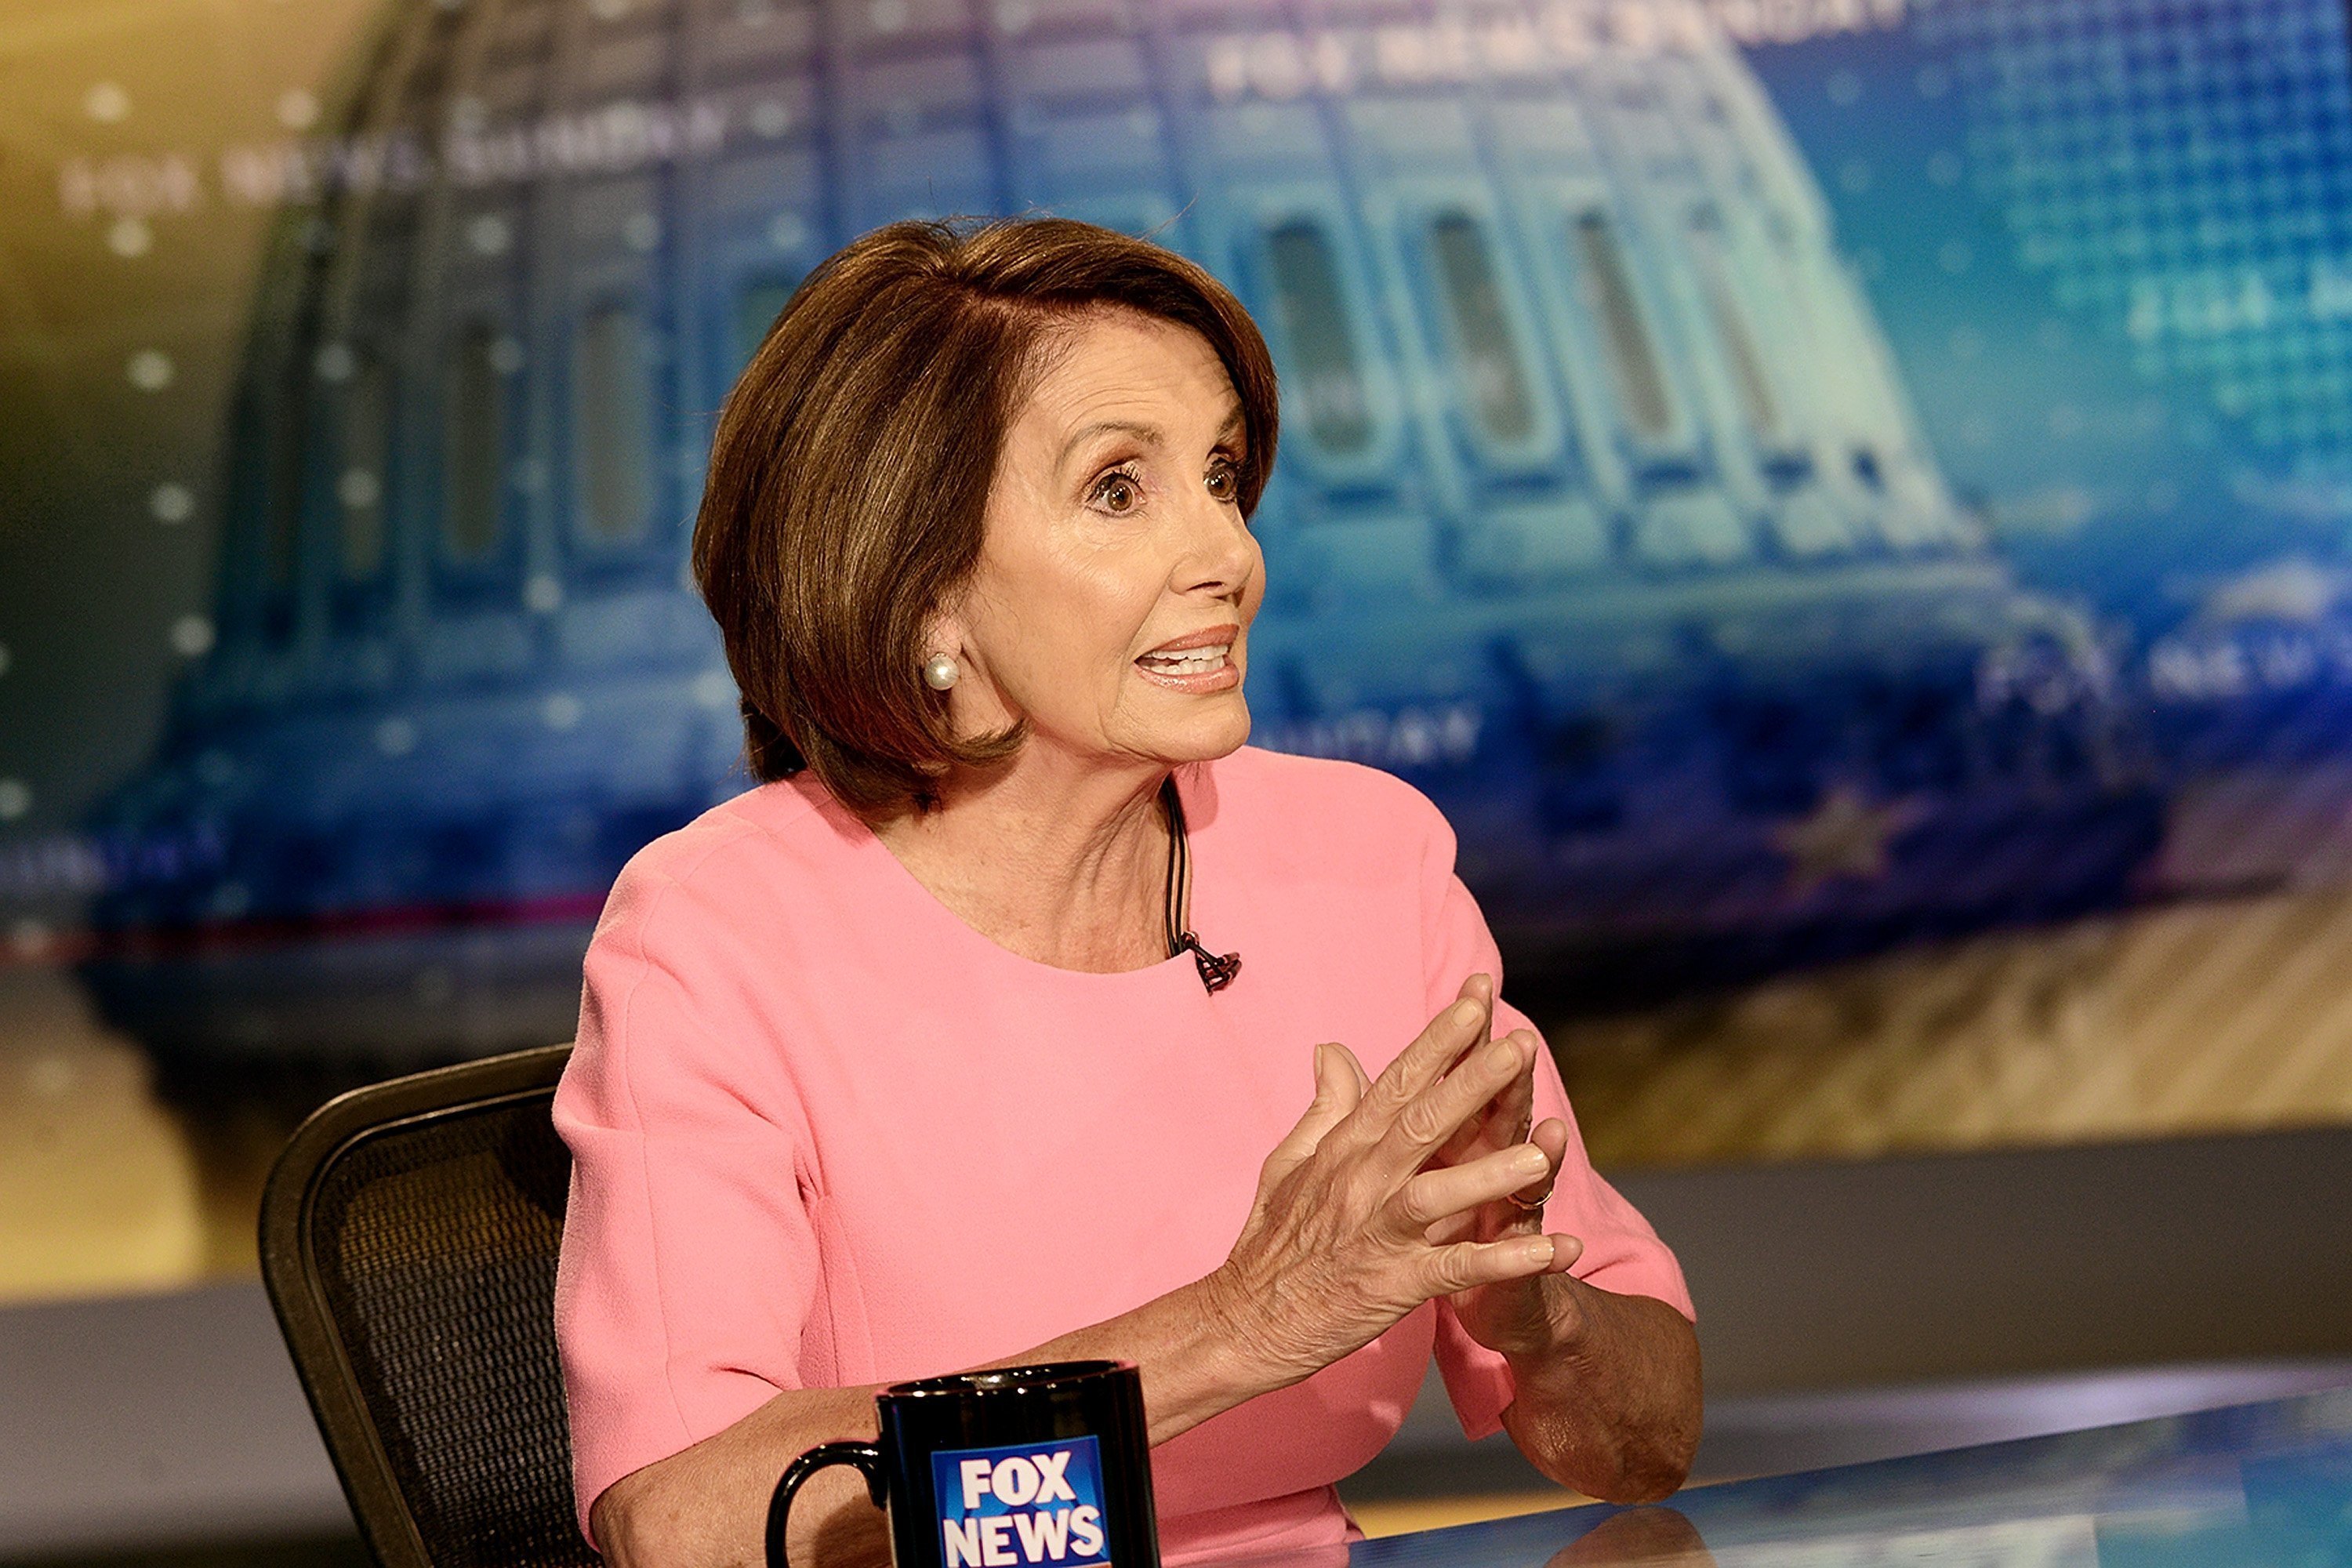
(1540, 1251)
(1466, 1013)
(1531, 1159)
(1503, 1054)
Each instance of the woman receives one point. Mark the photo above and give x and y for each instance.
(907, 1059)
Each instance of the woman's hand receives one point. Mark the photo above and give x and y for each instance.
(1514, 1316)
(1605, 1387)
(1354, 1226)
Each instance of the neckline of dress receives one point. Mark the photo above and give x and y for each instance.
(865, 841)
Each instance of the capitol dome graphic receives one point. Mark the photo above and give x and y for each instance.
(1600, 513)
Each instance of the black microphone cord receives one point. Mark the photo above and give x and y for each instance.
(1217, 971)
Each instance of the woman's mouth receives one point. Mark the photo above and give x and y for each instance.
(1206, 668)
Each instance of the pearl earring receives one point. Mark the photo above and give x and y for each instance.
(941, 671)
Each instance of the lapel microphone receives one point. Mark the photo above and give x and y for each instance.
(1217, 970)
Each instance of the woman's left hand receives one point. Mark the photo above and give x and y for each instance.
(1525, 1316)
(1605, 1387)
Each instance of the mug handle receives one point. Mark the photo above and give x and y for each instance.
(867, 1457)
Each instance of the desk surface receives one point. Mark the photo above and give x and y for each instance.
(2256, 1486)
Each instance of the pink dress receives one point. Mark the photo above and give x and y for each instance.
(826, 1134)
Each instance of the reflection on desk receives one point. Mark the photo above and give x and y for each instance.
(2255, 1486)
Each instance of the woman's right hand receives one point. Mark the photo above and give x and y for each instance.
(1336, 1248)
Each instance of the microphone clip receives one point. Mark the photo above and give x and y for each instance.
(1217, 970)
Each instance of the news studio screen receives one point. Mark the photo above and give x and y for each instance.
(1846, 504)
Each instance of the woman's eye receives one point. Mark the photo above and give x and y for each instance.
(1119, 493)
(1225, 483)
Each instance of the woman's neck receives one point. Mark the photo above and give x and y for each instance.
(1065, 864)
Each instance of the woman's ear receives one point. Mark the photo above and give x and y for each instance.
(944, 632)
(947, 627)
(979, 707)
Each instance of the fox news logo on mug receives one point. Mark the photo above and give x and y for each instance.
(1024, 1504)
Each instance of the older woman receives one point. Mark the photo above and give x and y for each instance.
(910, 1059)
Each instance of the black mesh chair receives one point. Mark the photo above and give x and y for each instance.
(408, 1239)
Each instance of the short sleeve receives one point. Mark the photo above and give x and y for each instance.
(689, 1261)
(1622, 1253)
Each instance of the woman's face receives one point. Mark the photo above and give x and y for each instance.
(1117, 579)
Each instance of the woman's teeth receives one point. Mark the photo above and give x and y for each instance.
(1191, 661)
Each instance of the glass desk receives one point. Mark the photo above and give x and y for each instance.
(2255, 1486)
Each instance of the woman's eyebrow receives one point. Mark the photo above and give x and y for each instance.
(1150, 435)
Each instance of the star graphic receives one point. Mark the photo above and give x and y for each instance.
(1845, 836)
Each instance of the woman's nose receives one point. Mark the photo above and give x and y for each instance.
(1219, 553)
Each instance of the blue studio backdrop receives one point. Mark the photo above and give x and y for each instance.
(1787, 476)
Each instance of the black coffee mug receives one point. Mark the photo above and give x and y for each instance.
(1023, 1466)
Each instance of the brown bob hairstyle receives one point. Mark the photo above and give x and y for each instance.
(851, 468)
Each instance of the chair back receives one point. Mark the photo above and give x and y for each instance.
(408, 1242)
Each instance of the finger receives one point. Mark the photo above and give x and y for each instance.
(1336, 1094)
(1565, 1251)
(1462, 1024)
(1551, 1135)
(1513, 1110)
(1518, 1102)
(1358, 1083)
(1520, 1213)
(1430, 1119)
(1465, 1265)
(1494, 1129)
(1551, 1139)
(1508, 1116)
(1435, 1195)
